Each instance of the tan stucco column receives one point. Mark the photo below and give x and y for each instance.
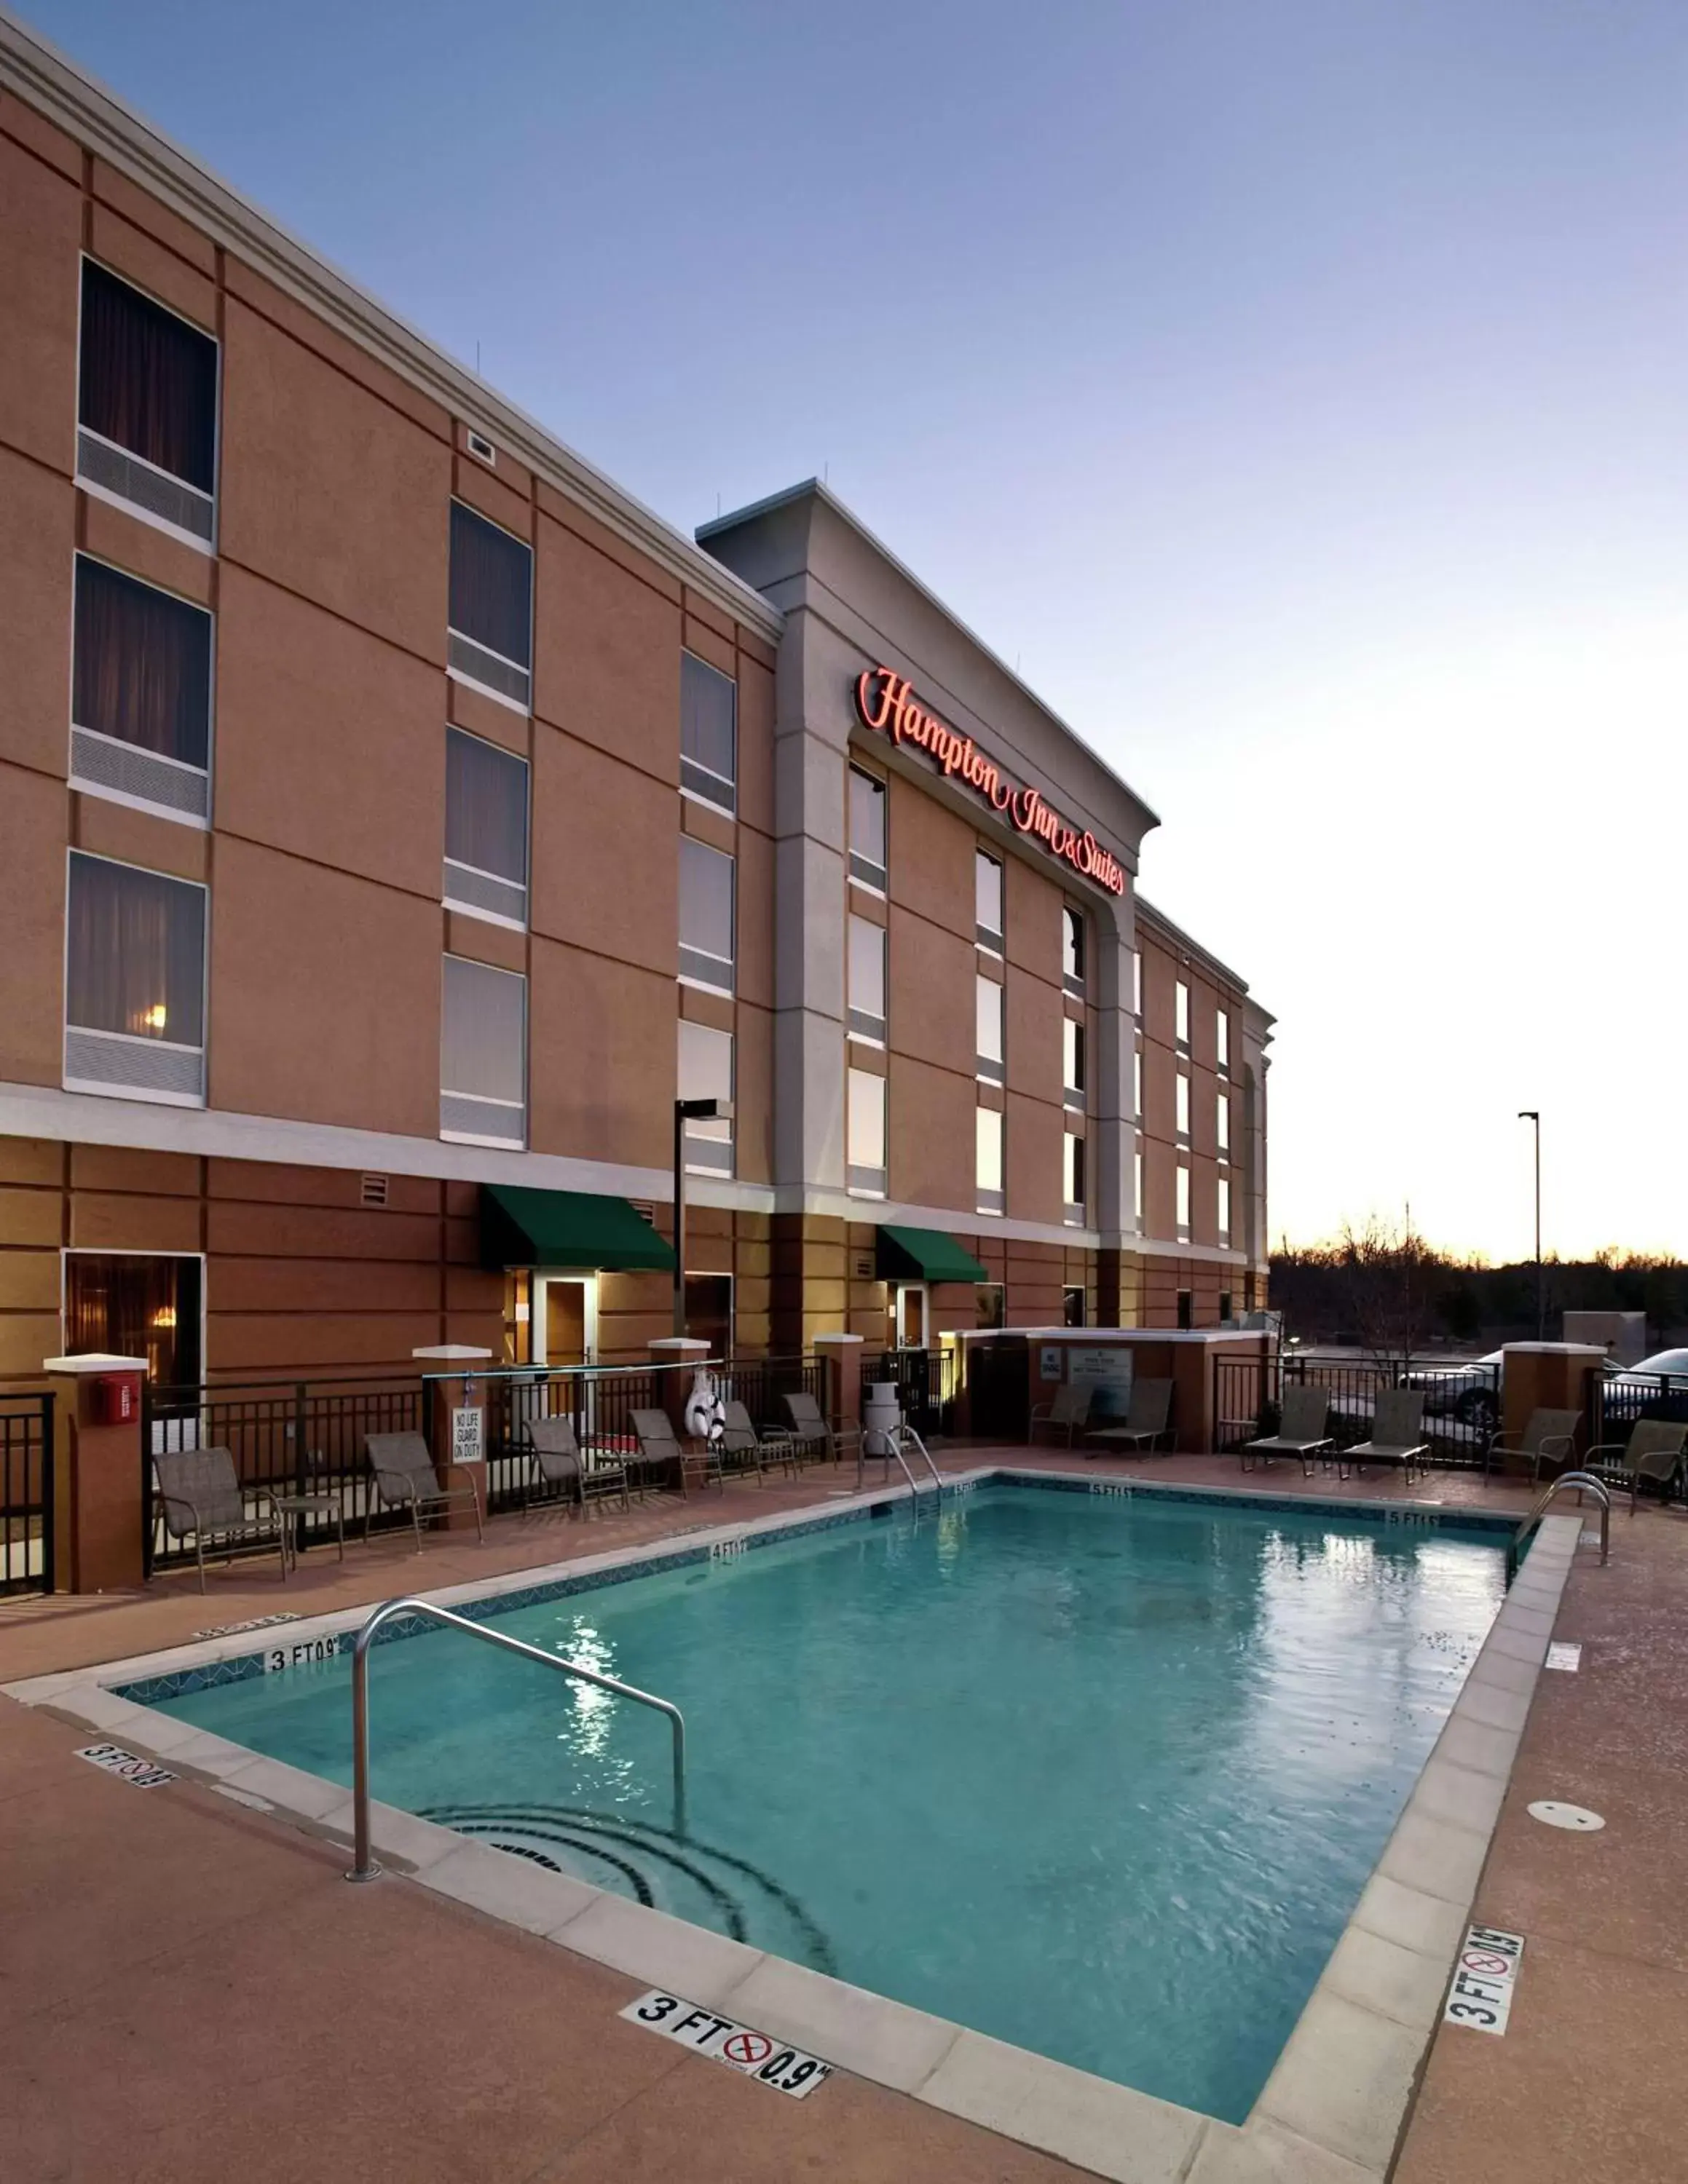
(97, 1482)
(841, 1355)
(456, 1425)
(1545, 1376)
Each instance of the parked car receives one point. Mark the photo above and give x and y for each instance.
(1663, 1364)
(1468, 1390)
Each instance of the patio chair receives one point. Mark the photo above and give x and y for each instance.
(660, 1446)
(403, 1477)
(1548, 1437)
(812, 1432)
(201, 1493)
(1068, 1412)
(1303, 1430)
(1148, 1418)
(1655, 1450)
(567, 1474)
(1396, 1420)
(742, 1444)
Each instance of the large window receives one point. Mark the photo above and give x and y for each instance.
(1224, 1211)
(1183, 1201)
(867, 980)
(1137, 1190)
(705, 1072)
(706, 944)
(987, 902)
(147, 408)
(1136, 983)
(709, 732)
(135, 982)
(1222, 1114)
(989, 998)
(1072, 947)
(1222, 1038)
(482, 1055)
(1072, 1062)
(1073, 1174)
(1183, 1104)
(486, 829)
(1181, 1014)
(868, 1163)
(867, 830)
(1136, 1083)
(490, 640)
(988, 1160)
(141, 694)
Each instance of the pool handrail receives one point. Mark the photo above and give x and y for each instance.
(892, 1437)
(365, 1868)
(1582, 1482)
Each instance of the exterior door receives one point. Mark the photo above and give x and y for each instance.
(565, 1319)
(910, 1329)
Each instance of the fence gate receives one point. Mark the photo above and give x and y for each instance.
(26, 1493)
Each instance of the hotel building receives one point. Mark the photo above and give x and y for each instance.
(396, 817)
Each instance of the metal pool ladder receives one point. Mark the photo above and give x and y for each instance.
(892, 1438)
(1580, 1482)
(366, 1868)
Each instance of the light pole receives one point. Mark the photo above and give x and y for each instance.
(688, 1111)
(1534, 1115)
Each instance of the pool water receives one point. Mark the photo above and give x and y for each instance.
(1101, 1777)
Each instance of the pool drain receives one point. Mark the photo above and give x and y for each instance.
(1575, 1818)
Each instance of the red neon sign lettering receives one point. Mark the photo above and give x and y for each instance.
(885, 702)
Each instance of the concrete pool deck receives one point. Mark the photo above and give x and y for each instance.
(168, 1925)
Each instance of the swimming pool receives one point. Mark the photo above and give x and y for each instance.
(1100, 1775)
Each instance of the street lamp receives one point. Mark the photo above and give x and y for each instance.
(688, 1111)
(1534, 1115)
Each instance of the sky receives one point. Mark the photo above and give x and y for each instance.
(1293, 388)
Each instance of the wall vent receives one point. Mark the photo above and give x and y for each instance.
(482, 448)
(374, 1192)
(646, 1212)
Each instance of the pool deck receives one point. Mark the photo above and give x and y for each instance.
(190, 1992)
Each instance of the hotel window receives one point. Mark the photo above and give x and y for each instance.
(1072, 947)
(987, 902)
(147, 408)
(1137, 1186)
(489, 641)
(134, 982)
(988, 1160)
(1225, 1307)
(1185, 1312)
(1225, 1209)
(1222, 1036)
(1136, 1083)
(865, 1122)
(1072, 1306)
(141, 695)
(1136, 982)
(867, 980)
(1181, 1007)
(1222, 1112)
(486, 830)
(1073, 1179)
(1184, 1203)
(482, 1055)
(867, 830)
(990, 999)
(706, 916)
(709, 732)
(705, 1072)
(1072, 1062)
(1183, 1106)
(990, 1305)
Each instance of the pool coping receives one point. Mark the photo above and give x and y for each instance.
(1331, 2112)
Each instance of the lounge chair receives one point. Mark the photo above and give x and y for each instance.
(565, 1473)
(813, 1435)
(201, 1493)
(1396, 1437)
(661, 1448)
(1655, 1450)
(1148, 1418)
(404, 1478)
(1548, 1437)
(1069, 1413)
(742, 1446)
(1303, 1430)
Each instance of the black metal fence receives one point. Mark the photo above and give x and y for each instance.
(1618, 1402)
(26, 1493)
(1462, 1403)
(926, 1385)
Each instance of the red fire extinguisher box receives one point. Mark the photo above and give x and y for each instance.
(114, 1399)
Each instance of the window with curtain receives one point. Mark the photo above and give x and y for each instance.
(866, 979)
(709, 732)
(1072, 947)
(989, 999)
(141, 671)
(145, 1305)
(491, 612)
(865, 1125)
(705, 1072)
(486, 829)
(1072, 1061)
(988, 901)
(135, 957)
(868, 830)
(989, 1159)
(706, 933)
(482, 1053)
(148, 380)
(1073, 1176)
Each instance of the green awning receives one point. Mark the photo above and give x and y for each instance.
(576, 1229)
(924, 1254)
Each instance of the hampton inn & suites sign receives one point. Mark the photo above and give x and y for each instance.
(885, 701)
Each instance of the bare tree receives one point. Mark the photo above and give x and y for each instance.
(1393, 1277)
